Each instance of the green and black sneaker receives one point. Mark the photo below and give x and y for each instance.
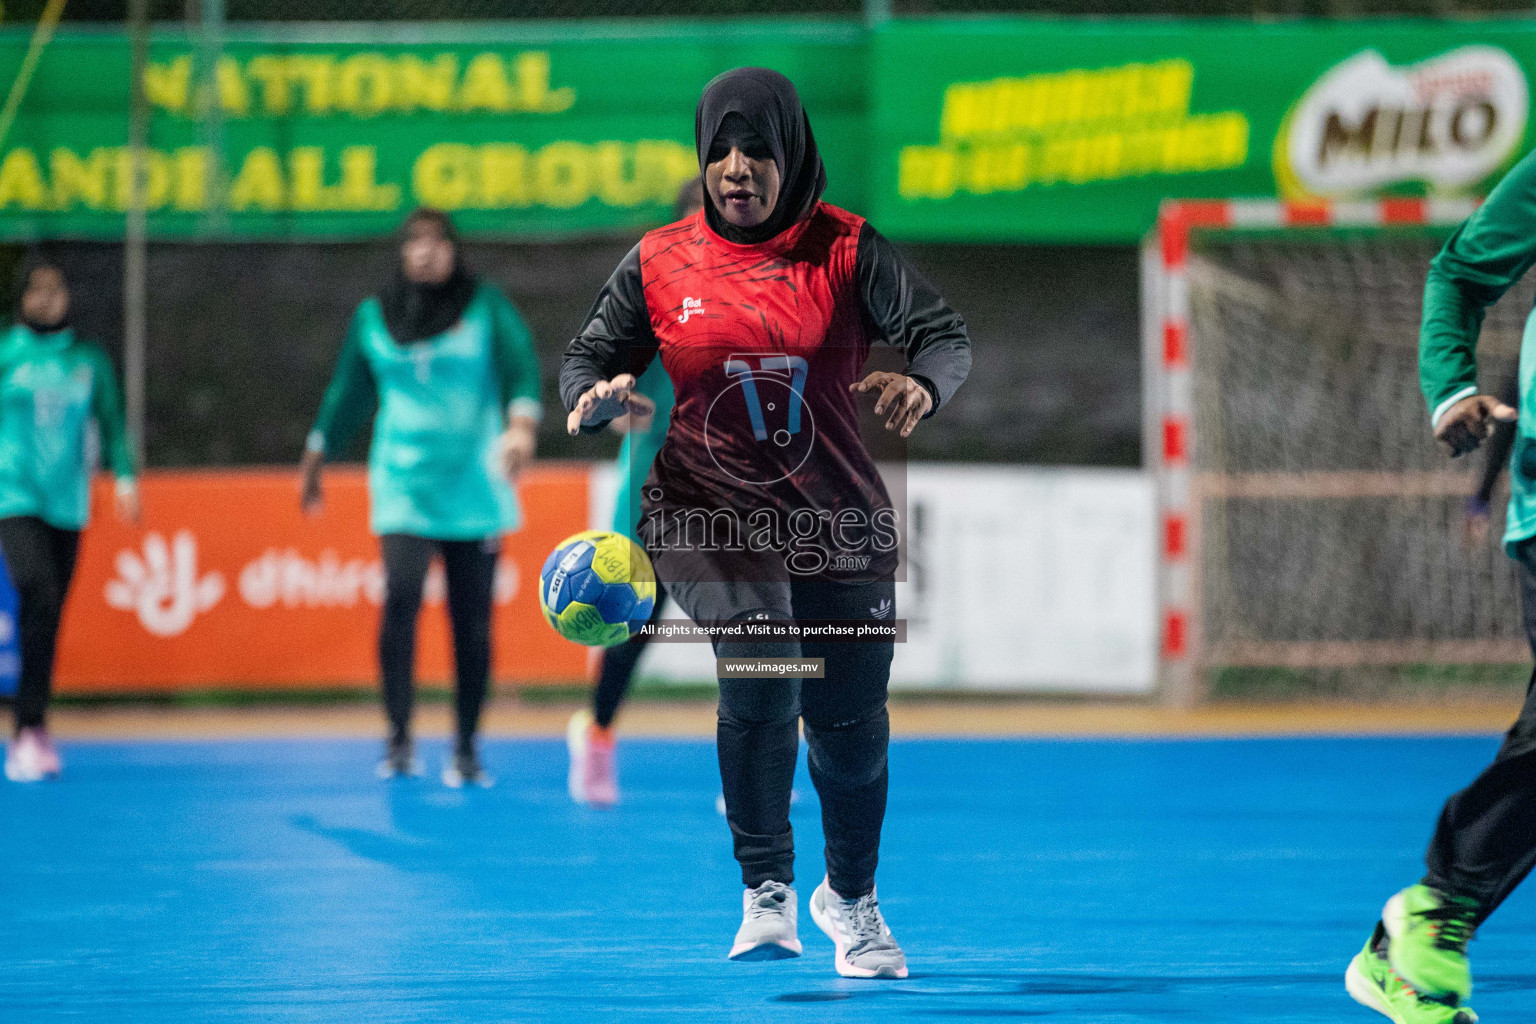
(1373, 983)
(1429, 932)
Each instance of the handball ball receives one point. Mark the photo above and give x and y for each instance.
(597, 588)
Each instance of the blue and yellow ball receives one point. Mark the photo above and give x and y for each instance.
(597, 588)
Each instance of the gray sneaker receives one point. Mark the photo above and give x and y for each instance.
(400, 760)
(865, 946)
(769, 924)
(465, 770)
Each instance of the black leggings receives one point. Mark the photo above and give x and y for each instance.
(41, 560)
(618, 669)
(1485, 843)
(470, 566)
(847, 727)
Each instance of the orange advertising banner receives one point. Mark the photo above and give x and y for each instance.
(227, 584)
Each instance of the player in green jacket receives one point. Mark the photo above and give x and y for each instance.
(593, 778)
(1414, 967)
(58, 400)
(447, 368)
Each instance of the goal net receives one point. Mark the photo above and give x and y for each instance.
(1313, 536)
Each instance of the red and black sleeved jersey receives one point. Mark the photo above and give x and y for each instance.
(762, 343)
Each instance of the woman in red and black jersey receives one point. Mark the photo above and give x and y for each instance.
(764, 503)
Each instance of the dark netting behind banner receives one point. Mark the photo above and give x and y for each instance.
(1334, 550)
(242, 339)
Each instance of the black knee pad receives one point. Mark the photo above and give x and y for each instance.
(852, 753)
(748, 648)
(758, 701)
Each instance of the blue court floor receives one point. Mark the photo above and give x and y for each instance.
(1129, 881)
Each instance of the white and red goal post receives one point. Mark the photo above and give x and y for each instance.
(1169, 389)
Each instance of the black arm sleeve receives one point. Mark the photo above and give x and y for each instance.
(1500, 443)
(910, 312)
(616, 339)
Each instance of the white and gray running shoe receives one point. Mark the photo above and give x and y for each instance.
(400, 760)
(865, 946)
(769, 924)
(464, 769)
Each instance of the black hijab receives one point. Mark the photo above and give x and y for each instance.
(767, 101)
(414, 312)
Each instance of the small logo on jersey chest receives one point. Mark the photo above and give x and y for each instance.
(690, 307)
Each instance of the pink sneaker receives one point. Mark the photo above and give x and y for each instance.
(592, 779)
(30, 757)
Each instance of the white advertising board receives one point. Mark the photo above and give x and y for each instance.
(1018, 578)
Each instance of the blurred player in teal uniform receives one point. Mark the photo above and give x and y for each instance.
(54, 386)
(1414, 967)
(449, 367)
(590, 736)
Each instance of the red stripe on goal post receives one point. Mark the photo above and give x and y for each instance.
(1404, 211)
(1206, 213)
(1176, 220)
(1311, 212)
(1175, 344)
(1175, 535)
(1175, 440)
(1175, 634)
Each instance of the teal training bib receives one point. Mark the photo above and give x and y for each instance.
(47, 449)
(432, 468)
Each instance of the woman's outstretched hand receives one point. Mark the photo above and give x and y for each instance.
(606, 400)
(903, 398)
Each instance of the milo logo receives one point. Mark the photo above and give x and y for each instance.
(1450, 122)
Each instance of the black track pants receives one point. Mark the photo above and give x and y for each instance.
(41, 560)
(470, 566)
(618, 670)
(1485, 843)
(847, 728)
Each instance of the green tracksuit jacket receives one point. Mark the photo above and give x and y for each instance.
(1484, 258)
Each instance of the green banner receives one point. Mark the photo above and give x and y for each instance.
(983, 129)
(520, 132)
(1061, 130)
